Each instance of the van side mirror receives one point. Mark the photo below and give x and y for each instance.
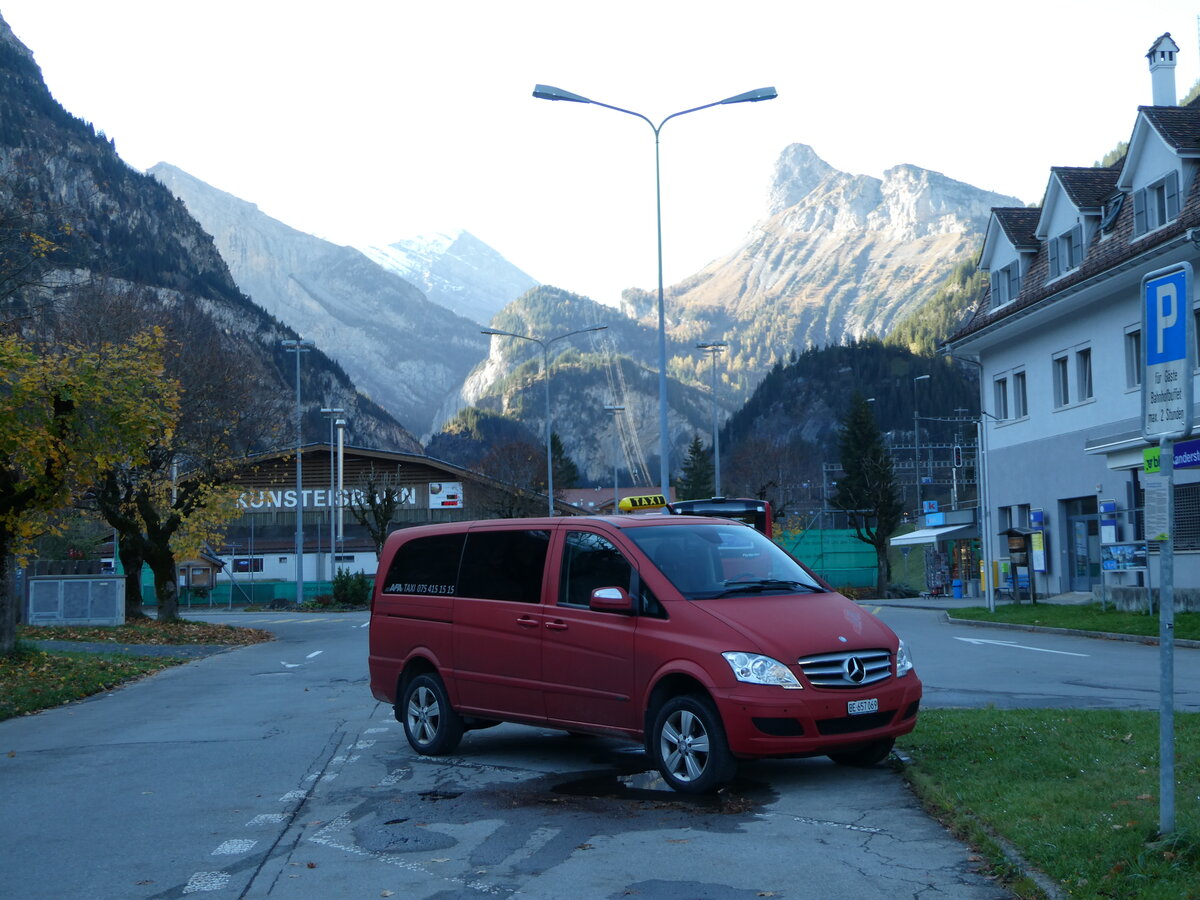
(611, 599)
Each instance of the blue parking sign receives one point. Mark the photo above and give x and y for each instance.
(1168, 339)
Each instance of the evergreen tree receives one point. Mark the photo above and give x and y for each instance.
(867, 491)
(566, 473)
(696, 478)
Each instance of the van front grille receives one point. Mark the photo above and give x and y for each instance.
(847, 669)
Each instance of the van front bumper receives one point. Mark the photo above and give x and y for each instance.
(762, 721)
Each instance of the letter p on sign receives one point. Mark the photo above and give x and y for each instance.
(1167, 299)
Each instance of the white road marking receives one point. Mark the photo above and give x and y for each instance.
(267, 819)
(364, 745)
(229, 848)
(288, 665)
(314, 653)
(292, 795)
(1017, 646)
(206, 881)
(393, 777)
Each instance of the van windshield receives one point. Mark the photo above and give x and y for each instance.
(721, 559)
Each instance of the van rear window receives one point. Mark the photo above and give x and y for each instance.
(504, 565)
(427, 565)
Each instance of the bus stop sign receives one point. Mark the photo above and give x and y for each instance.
(1168, 342)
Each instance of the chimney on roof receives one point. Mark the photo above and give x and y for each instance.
(1162, 70)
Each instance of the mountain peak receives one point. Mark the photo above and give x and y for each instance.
(456, 270)
(798, 172)
(7, 37)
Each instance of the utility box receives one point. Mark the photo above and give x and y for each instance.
(76, 600)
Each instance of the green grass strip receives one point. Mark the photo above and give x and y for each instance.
(1074, 791)
(33, 680)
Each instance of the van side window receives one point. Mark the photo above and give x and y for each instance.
(504, 565)
(427, 565)
(590, 561)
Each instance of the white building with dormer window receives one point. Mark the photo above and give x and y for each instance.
(1058, 342)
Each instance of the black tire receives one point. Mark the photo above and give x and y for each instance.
(864, 757)
(689, 747)
(432, 727)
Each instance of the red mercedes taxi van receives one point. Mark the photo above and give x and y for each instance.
(699, 637)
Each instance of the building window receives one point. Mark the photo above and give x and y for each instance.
(1155, 205)
(243, 564)
(1062, 382)
(1006, 284)
(1065, 252)
(1083, 374)
(1196, 322)
(1001, 387)
(1020, 400)
(1133, 358)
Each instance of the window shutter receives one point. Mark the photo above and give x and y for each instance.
(1139, 212)
(1076, 247)
(997, 293)
(1172, 191)
(1052, 252)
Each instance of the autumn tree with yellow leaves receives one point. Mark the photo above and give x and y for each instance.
(66, 416)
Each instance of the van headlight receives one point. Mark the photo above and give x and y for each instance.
(904, 661)
(754, 668)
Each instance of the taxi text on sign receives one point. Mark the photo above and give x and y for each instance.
(1168, 340)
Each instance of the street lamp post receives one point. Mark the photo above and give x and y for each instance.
(917, 444)
(298, 347)
(546, 92)
(340, 424)
(332, 413)
(545, 343)
(616, 491)
(715, 348)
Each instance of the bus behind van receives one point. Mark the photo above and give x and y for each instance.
(698, 637)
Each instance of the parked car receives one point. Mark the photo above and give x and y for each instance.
(697, 636)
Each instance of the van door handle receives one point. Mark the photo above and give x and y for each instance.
(527, 622)
(558, 625)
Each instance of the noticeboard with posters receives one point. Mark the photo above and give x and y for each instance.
(1123, 557)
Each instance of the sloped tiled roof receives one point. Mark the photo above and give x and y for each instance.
(1102, 255)
(1179, 125)
(1087, 187)
(1019, 224)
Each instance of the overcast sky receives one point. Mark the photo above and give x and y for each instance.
(368, 122)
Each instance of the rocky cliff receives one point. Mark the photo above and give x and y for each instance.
(116, 225)
(836, 257)
(403, 351)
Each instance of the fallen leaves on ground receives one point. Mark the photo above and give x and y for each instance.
(148, 631)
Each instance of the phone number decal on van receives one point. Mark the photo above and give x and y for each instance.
(420, 589)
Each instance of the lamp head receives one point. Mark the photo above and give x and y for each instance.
(765, 93)
(546, 92)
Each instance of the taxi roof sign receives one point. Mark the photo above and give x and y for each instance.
(644, 501)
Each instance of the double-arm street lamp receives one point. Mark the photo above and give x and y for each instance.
(298, 347)
(715, 348)
(546, 92)
(545, 343)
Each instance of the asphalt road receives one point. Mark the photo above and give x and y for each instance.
(269, 771)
